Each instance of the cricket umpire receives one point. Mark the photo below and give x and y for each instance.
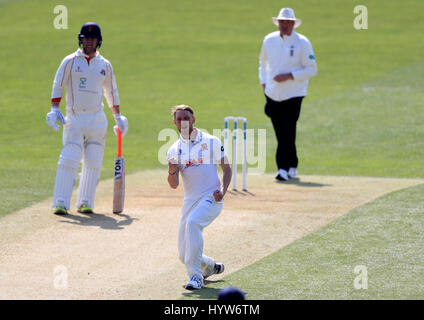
(286, 63)
(195, 156)
(86, 75)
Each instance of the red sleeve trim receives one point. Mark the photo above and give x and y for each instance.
(116, 106)
(56, 99)
(64, 71)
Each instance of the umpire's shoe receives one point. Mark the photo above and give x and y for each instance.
(292, 173)
(282, 175)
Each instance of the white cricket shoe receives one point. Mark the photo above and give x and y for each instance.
(195, 283)
(218, 268)
(292, 173)
(282, 175)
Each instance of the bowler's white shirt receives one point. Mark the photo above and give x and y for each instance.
(197, 162)
(284, 55)
(85, 81)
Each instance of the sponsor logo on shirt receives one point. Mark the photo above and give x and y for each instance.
(83, 83)
(103, 72)
(78, 69)
(194, 162)
(311, 57)
(204, 146)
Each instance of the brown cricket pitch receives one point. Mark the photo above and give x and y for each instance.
(134, 255)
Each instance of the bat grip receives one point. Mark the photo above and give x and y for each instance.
(119, 142)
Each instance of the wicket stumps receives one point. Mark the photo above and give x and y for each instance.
(234, 153)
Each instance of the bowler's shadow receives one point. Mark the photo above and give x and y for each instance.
(99, 220)
(243, 193)
(205, 292)
(296, 181)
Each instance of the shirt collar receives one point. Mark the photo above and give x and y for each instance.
(290, 37)
(80, 53)
(195, 136)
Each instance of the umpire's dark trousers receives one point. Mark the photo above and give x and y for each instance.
(284, 116)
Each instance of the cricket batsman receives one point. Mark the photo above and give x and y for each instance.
(195, 156)
(86, 75)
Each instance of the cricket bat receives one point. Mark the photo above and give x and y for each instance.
(119, 178)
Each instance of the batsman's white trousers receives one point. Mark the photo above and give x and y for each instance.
(84, 136)
(195, 216)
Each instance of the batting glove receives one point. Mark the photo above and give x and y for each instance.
(122, 123)
(52, 118)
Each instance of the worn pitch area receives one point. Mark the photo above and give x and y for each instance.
(134, 255)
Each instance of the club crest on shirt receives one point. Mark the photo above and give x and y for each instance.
(204, 146)
(78, 69)
(103, 72)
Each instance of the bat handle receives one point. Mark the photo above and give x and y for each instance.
(119, 142)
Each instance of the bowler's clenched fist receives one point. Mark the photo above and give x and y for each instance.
(173, 165)
(218, 195)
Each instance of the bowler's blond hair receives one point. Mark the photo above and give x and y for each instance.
(181, 107)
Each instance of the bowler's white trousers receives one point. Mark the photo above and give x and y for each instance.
(195, 216)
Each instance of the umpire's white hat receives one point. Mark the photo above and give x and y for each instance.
(287, 14)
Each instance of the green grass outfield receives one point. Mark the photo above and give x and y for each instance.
(384, 236)
(363, 115)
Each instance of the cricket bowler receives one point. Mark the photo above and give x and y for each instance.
(195, 156)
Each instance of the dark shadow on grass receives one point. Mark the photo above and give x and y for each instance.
(204, 293)
(298, 182)
(98, 220)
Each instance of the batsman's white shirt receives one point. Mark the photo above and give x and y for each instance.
(84, 133)
(284, 55)
(86, 79)
(197, 163)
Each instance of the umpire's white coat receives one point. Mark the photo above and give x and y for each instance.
(284, 55)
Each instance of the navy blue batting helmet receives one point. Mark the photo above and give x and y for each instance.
(231, 293)
(90, 30)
